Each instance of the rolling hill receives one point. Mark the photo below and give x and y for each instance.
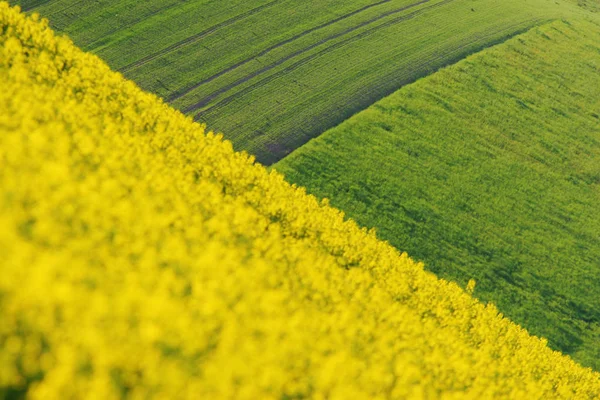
(274, 74)
(143, 258)
(488, 169)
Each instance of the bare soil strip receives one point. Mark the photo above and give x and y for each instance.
(197, 36)
(205, 101)
(178, 94)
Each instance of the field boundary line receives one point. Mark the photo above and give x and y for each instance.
(196, 37)
(450, 60)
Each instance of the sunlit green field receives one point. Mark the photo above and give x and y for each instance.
(489, 170)
(271, 74)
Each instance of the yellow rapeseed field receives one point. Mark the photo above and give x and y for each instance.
(142, 258)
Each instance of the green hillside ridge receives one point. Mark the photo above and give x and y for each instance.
(273, 73)
(488, 169)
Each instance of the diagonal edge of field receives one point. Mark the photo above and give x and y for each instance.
(313, 163)
(273, 155)
(427, 68)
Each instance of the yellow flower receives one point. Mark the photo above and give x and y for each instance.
(471, 286)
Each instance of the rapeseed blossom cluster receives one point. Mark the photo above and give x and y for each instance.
(141, 257)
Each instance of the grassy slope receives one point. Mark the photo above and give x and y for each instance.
(327, 59)
(592, 5)
(489, 169)
(142, 258)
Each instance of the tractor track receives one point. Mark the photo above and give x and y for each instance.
(205, 101)
(185, 91)
(91, 46)
(35, 5)
(440, 59)
(43, 2)
(198, 36)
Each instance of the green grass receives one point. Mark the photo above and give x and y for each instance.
(488, 169)
(592, 5)
(273, 74)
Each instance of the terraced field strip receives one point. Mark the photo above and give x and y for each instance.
(487, 170)
(274, 74)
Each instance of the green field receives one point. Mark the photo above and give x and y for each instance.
(592, 5)
(272, 74)
(488, 169)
